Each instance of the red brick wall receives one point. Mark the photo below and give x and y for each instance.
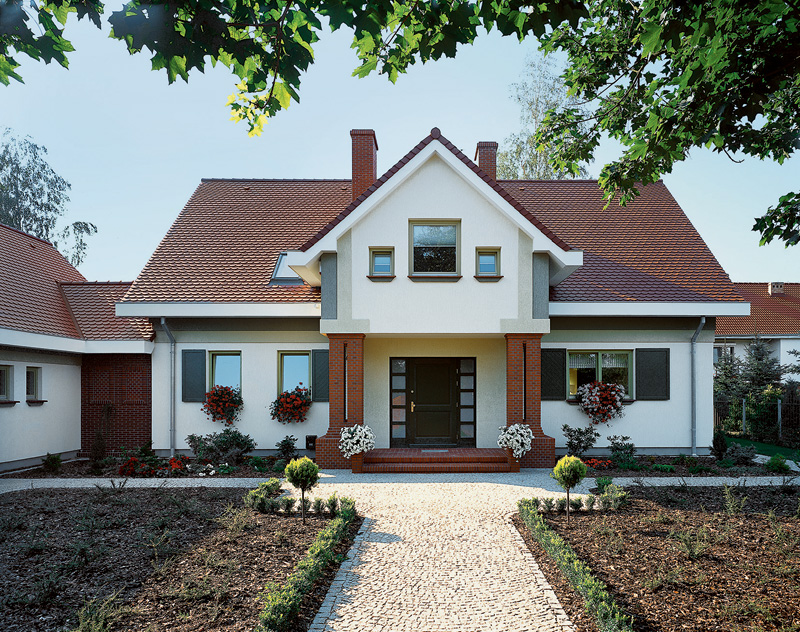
(486, 153)
(327, 453)
(122, 381)
(523, 372)
(365, 160)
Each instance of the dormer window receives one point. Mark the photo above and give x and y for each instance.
(283, 274)
(434, 248)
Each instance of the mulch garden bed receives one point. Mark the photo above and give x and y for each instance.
(684, 467)
(80, 468)
(676, 560)
(157, 559)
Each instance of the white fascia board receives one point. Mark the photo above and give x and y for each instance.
(642, 308)
(218, 310)
(760, 335)
(45, 342)
(298, 260)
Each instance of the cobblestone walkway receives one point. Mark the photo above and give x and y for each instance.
(439, 554)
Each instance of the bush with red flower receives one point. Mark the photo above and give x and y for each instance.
(598, 464)
(601, 401)
(223, 403)
(291, 406)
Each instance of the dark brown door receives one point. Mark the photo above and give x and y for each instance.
(433, 395)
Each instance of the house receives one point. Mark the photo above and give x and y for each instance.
(774, 317)
(434, 303)
(68, 366)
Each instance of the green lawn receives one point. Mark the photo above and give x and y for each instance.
(766, 448)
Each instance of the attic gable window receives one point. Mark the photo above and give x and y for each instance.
(434, 248)
(283, 274)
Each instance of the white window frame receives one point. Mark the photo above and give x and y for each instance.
(6, 383)
(36, 371)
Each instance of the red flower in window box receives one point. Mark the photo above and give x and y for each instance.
(291, 406)
(223, 403)
(601, 401)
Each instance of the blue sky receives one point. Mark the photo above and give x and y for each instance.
(134, 148)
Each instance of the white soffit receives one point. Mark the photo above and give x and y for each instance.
(642, 308)
(219, 310)
(306, 264)
(45, 342)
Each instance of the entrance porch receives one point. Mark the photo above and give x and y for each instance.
(435, 404)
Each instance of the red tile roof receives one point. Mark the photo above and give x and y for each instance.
(645, 251)
(30, 298)
(92, 306)
(776, 314)
(224, 244)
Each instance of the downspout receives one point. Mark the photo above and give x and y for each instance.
(171, 386)
(694, 384)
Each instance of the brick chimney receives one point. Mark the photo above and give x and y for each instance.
(365, 159)
(486, 155)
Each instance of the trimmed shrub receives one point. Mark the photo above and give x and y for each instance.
(52, 463)
(719, 445)
(282, 603)
(777, 463)
(568, 472)
(597, 600)
(302, 474)
(623, 452)
(287, 449)
(602, 482)
(740, 454)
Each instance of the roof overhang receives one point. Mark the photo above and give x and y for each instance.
(218, 310)
(46, 342)
(306, 263)
(761, 335)
(643, 308)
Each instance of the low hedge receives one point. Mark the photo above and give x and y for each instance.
(282, 603)
(596, 599)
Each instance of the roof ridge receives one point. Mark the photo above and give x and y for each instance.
(79, 283)
(436, 134)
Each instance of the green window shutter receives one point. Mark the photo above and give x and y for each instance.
(652, 374)
(554, 374)
(319, 373)
(193, 375)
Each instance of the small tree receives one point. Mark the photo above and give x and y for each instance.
(304, 475)
(759, 368)
(568, 472)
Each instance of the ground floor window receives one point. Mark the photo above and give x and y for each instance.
(294, 369)
(721, 351)
(33, 382)
(226, 368)
(611, 367)
(5, 383)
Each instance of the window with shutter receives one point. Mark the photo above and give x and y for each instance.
(319, 370)
(652, 374)
(193, 374)
(554, 374)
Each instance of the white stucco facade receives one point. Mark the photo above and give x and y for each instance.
(29, 432)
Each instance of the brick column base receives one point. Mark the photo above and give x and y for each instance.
(345, 359)
(524, 396)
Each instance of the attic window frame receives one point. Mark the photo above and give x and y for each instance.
(415, 274)
(284, 280)
(381, 250)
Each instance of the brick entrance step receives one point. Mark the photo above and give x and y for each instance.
(435, 460)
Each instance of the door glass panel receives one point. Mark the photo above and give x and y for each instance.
(467, 414)
(468, 365)
(399, 381)
(467, 381)
(398, 414)
(398, 431)
(467, 399)
(398, 399)
(398, 366)
(467, 431)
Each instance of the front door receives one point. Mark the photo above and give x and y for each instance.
(433, 395)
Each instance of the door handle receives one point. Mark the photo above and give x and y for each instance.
(412, 407)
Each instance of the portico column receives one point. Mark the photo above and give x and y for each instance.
(524, 395)
(346, 396)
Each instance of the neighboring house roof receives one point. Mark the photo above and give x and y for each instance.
(770, 314)
(30, 298)
(225, 242)
(41, 293)
(92, 306)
